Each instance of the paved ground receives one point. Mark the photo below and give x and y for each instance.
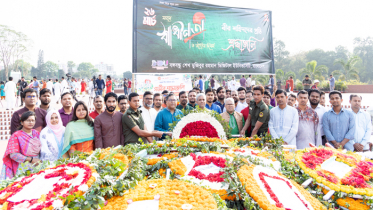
(367, 101)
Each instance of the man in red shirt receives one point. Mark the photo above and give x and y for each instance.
(98, 103)
(108, 84)
(245, 113)
(129, 86)
(291, 82)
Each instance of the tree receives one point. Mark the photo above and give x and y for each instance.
(314, 71)
(127, 75)
(349, 70)
(85, 69)
(13, 45)
(261, 79)
(23, 67)
(364, 49)
(41, 67)
(280, 76)
(290, 74)
(70, 66)
(280, 54)
(51, 69)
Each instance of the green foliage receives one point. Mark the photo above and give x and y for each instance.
(314, 71)
(355, 82)
(127, 75)
(298, 85)
(349, 70)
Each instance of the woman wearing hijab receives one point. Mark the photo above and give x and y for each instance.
(51, 137)
(79, 134)
(23, 147)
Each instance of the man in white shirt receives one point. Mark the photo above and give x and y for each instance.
(57, 90)
(233, 84)
(148, 113)
(50, 85)
(284, 120)
(10, 93)
(363, 124)
(242, 96)
(64, 85)
(314, 98)
(239, 106)
(248, 83)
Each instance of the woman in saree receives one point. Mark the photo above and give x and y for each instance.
(79, 133)
(51, 137)
(23, 147)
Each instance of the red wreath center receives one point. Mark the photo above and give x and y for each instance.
(199, 128)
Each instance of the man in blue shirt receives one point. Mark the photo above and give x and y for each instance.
(200, 83)
(339, 123)
(167, 116)
(210, 101)
(221, 97)
(363, 124)
(35, 84)
(100, 85)
(331, 83)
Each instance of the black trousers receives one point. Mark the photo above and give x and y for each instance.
(74, 95)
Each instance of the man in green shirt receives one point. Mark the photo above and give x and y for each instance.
(206, 85)
(307, 82)
(234, 118)
(183, 106)
(259, 114)
(192, 99)
(133, 123)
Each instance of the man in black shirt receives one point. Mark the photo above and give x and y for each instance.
(22, 87)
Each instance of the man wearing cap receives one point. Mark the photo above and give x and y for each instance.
(307, 83)
(314, 86)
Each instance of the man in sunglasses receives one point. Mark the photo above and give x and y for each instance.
(29, 97)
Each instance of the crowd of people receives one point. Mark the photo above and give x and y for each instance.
(10, 91)
(40, 133)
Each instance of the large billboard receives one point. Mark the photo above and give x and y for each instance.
(190, 37)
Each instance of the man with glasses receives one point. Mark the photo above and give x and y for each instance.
(29, 97)
(235, 119)
(148, 113)
(167, 116)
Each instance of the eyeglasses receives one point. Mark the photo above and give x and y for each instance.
(31, 97)
(148, 99)
(172, 100)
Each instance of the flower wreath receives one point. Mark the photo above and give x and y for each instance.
(167, 194)
(337, 171)
(204, 170)
(199, 124)
(271, 190)
(44, 189)
(264, 157)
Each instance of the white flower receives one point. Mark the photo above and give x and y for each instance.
(83, 188)
(57, 204)
(85, 162)
(96, 175)
(193, 117)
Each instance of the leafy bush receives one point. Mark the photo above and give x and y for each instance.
(324, 85)
(355, 82)
(298, 85)
(340, 85)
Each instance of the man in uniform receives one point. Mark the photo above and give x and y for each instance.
(133, 123)
(259, 114)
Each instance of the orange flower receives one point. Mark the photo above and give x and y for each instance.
(169, 200)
